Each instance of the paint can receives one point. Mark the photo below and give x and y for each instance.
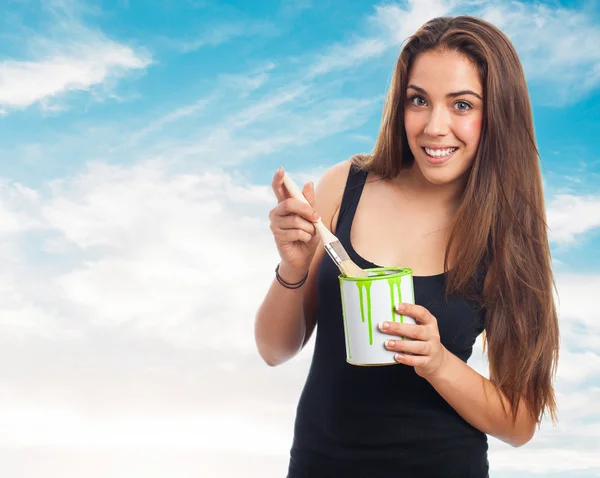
(368, 301)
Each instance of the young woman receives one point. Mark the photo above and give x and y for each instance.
(452, 190)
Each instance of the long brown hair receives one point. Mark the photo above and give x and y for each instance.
(500, 230)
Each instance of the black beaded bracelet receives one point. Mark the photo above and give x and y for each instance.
(289, 285)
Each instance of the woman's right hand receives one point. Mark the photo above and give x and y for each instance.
(292, 224)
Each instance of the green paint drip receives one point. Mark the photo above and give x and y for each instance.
(360, 295)
(397, 281)
(367, 286)
(391, 283)
(345, 321)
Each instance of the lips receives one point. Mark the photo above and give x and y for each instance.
(439, 155)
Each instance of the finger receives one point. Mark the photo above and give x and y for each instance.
(412, 360)
(295, 222)
(280, 191)
(295, 206)
(309, 194)
(408, 346)
(417, 312)
(411, 331)
(293, 235)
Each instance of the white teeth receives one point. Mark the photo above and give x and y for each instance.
(436, 153)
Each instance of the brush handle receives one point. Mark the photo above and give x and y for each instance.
(325, 233)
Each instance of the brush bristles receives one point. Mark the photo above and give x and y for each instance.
(341, 259)
(350, 269)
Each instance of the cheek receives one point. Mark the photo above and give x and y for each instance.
(413, 125)
(468, 130)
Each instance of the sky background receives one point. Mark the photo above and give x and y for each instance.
(138, 140)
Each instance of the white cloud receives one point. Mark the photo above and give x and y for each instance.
(25, 82)
(549, 460)
(177, 114)
(570, 216)
(575, 291)
(174, 240)
(71, 57)
(577, 367)
(241, 85)
(400, 22)
(64, 462)
(203, 430)
(558, 46)
(166, 271)
(390, 24)
(244, 84)
(277, 122)
(291, 7)
(160, 274)
(21, 317)
(270, 104)
(218, 34)
(340, 57)
(17, 207)
(580, 405)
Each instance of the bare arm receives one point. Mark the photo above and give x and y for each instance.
(478, 401)
(286, 318)
(474, 397)
(281, 325)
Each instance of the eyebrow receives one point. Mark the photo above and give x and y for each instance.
(449, 95)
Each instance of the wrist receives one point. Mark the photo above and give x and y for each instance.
(442, 370)
(290, 274)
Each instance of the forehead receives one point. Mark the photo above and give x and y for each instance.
(444, 72)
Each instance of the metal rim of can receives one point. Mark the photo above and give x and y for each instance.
(401, 271)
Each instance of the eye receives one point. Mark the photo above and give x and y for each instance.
(417, 100)
(462, 106)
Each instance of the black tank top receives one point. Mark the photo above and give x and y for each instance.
(386, 421)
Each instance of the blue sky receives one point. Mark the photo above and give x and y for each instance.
(137, 144)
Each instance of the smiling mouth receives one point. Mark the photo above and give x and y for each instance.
(438, 153)
(438, 156)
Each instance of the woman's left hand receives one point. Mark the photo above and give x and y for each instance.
(429, 353)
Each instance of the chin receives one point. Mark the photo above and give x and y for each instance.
(443, 174)
(438, 176)
(440, 180)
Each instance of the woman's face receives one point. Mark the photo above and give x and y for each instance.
(443, 115)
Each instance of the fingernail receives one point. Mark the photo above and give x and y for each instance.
(384, 325)
(400, 307)
(390, 343)
(316, 216)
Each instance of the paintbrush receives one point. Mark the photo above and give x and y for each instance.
(332, 244)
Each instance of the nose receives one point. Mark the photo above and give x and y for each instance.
(438, 123)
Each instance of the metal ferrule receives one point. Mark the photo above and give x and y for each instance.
(331, 251)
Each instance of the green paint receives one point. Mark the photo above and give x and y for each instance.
(397, 281)
(362, 307)
(394, 279)
(366, 285)
(345, 321)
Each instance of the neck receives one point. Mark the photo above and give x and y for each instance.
(414, 185)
